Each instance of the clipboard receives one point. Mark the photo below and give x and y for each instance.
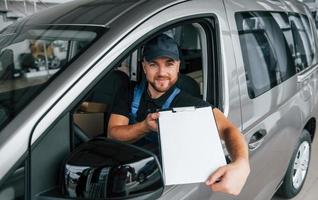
(191, 148)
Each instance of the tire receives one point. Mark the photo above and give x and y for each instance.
(296, 174)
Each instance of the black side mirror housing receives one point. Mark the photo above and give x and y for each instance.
(107, 169)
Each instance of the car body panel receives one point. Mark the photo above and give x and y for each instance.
(278, 111)
(177, 12)
(282, 112)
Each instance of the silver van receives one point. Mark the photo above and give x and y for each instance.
(313, 7)
(62, 69)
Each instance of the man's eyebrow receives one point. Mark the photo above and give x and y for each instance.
(170, 60)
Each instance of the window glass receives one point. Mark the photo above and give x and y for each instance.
(304, 43)
(14, 187)
(30, 56)
(285, 48)
(266, 47)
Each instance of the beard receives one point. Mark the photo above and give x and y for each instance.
(162, 83)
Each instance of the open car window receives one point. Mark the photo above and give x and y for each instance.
(92, 115)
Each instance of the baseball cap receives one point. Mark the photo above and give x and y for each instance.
(161, 46)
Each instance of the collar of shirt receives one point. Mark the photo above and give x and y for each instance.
(161, 100)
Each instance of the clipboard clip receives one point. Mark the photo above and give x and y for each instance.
(183, 109)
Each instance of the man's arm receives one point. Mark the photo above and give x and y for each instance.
(232, 177)
(119, 128)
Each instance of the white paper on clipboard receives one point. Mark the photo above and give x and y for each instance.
(190, 145)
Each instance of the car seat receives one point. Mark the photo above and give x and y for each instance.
(92, 120)
(189, 85)
(185, 82)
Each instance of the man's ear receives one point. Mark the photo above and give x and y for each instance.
(178, 65)
(143, 66)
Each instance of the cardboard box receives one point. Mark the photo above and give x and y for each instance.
(93, 107)
(91, 123)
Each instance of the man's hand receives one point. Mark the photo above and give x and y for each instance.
(151, 122)
(232, 177)
(229, 178)
(119, 129)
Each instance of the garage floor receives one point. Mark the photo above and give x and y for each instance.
(310, 189)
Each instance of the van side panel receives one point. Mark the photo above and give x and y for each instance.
(307, 80)
(276, 115)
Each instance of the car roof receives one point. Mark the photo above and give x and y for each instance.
(91, 12)
(105, 12)
(84, 12)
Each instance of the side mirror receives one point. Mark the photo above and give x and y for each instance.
(108, 169)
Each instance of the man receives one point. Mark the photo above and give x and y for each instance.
(135, 120)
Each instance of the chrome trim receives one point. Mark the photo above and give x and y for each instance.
(91, 25)
(301, 164)
(305, 74)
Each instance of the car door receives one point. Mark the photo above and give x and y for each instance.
(59, 117)
(271, 119)
(152, 24)
(306, 58)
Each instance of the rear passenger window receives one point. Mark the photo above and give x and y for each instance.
(304, 43)
(266, 45)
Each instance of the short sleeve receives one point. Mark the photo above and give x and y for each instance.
(121, 104)
(184, 99)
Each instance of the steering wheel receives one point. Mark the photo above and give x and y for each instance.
(80, 136)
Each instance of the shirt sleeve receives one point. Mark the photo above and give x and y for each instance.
(121, 104)
(184, 99)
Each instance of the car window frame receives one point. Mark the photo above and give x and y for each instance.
(306, 72)
(108, 68)
(270, 42)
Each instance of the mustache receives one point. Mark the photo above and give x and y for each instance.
(162, 77)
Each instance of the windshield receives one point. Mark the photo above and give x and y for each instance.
(30, 57)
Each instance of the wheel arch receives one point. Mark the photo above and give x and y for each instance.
(311, 127)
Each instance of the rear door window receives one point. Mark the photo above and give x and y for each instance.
(304, 42)
(265, 43)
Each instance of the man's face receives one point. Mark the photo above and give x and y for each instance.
(161, 73)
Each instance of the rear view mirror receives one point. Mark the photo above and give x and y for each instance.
(107, 169)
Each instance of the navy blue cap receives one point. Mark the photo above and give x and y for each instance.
(161, 46)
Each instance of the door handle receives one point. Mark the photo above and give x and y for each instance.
(257, 139)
